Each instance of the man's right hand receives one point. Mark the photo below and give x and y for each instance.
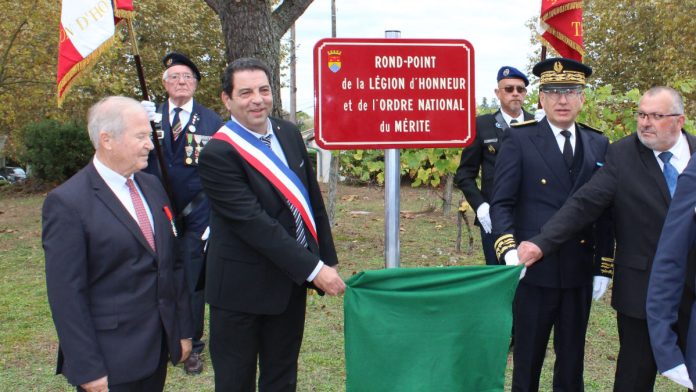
(98, 385)
(483, 213)
(529, 253)
(151, 110)
(329, 281)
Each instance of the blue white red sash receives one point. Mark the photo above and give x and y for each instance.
(263, 159)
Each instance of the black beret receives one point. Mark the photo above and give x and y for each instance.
(175, 58)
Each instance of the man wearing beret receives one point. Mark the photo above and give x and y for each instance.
(541, 164)
(186, 128)
(481, 154)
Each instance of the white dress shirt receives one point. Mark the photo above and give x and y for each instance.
(117, 184)
(680, 155)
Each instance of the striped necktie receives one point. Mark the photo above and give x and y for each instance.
(176, 124)
(299, 225)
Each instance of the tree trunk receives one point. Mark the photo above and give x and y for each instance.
(252, 29)
(447, 199)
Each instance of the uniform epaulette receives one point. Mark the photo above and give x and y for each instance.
(503, 244)
(585, 126)
(523, 123)
(607, 267)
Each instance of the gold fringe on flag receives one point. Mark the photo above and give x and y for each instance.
(84, 65)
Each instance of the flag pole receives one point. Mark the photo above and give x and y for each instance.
(146, 97)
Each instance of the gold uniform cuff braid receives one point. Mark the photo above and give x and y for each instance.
(503, 244)
(607, 267)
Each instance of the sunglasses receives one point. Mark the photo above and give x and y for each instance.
(511, 89)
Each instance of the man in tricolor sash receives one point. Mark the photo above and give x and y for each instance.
(270, 237)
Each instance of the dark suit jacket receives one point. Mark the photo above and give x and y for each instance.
(109, 293)
(632, 184)
(184, 180)
(531, 184)
(671, 266)
(480, 156)
(253, 257)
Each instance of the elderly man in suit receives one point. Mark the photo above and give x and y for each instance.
(115, 286)
(671, 286)
(539, 167)
(481, 154)
(270, 237)
(186, 129)
(636, 183)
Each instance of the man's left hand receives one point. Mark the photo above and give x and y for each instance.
(599, 287)
(186, 346)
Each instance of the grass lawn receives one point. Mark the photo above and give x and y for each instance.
(29, 343)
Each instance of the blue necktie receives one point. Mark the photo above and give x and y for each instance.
(669, 171)
(299, 225)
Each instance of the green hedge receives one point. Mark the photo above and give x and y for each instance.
(55, 151)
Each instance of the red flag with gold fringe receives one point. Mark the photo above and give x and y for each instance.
(561, 25)
(86, 30)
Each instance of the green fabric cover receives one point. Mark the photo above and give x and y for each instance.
(429, 329)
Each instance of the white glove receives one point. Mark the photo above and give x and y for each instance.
(679, 375)
(539, 114)
(599, 287)
(205, 234)
(512, 259)
(484, 216)
(151, 110)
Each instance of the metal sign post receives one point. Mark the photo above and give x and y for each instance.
(392, 196)
(392, 93)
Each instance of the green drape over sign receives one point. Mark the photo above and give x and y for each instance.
(429, 329)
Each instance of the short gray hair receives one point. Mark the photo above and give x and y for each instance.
(677, 101)
(108, 115)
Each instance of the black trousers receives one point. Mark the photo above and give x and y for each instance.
(192, 251)
(237, 339)
(536, 311)
(635, 365)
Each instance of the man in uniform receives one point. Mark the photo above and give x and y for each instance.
(633, 183)
(186, 128)
(540, 165)
(481, 154)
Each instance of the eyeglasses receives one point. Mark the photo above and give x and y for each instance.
(511, 89)
(556, 93)
(654, 116)
(175, 77)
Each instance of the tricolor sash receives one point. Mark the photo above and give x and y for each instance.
(263, 159)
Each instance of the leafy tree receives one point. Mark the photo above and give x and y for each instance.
(255, 29)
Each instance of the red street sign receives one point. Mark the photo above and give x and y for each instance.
(393, 93)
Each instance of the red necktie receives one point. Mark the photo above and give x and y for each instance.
(140, 212)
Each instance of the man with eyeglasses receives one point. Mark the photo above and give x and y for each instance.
(187, 126)
(481, 154)
(636, 183)
(541, 164)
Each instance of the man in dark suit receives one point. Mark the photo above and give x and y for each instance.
(115, 286)
(270, 237)
(633, 186)
(540, 165)
(186, 129)
(481, 154)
